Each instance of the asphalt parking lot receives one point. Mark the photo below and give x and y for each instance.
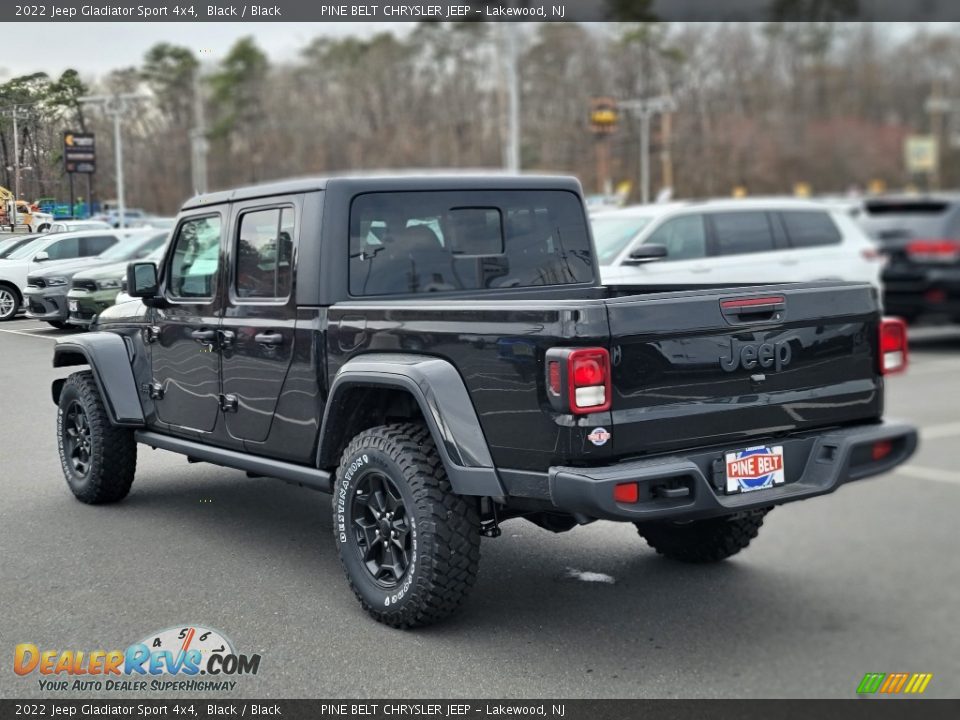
(865, 580)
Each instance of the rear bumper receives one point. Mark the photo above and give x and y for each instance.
(816, 464)
(932, 290)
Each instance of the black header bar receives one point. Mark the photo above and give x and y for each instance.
(496, 11)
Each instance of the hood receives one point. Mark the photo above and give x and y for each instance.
(132, 311)
(103, 272)
(64, 267)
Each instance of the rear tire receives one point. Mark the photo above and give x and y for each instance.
(98, 459)
(10, 301)
(409, 545)
(704, 541)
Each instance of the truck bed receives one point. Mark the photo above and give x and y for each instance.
(690, 369)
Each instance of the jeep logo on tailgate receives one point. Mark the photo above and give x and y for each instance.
(750, 355)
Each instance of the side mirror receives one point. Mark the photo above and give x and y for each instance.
(142, 280)
(41, 256)
(645, 254)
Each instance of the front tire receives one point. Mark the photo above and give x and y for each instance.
(98, 459)
(409, 545)
(704, 541)
(10, 302)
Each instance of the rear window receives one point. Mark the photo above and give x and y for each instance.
(889, 221)
(421, 242)
(810, 228)
(742, 232)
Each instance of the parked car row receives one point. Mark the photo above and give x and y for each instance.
(36, 272)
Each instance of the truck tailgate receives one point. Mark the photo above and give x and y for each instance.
(725, 366)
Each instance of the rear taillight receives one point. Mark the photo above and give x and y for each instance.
(940, 251)
(893, 346)
(578, 379)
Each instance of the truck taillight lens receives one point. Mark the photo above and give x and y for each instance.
(893, 346)
(588, 372)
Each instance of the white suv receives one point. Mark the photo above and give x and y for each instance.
(721, 242)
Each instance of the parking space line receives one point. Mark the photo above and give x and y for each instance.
(927, 473)
(28, 333)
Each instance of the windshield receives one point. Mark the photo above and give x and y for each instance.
(9, 245)
(29, 248)
(126, 249)
(612, 234)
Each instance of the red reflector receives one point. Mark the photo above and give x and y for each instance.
(750, 302)
(881, 449)
(892, 346)
(626, 492)
(935, 296)
(553, 372)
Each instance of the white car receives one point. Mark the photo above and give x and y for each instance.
(73, 225)
(45, 252)
(720, 242)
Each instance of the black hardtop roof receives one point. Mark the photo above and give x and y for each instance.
(389, 183)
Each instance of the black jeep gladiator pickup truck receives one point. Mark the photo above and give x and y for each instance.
(438, 354)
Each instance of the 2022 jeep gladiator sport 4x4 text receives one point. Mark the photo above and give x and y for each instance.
(438, 354)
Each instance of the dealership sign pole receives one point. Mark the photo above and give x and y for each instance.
(79, 156)
(117, 106)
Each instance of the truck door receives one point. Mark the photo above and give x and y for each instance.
(186, 362)
(257, 332)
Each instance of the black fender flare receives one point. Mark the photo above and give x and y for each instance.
(438, 389)
(106, 354)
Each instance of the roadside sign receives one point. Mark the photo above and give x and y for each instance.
(79, 153)
(920, 153)
(603, 115)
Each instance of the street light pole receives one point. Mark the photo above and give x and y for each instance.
(644, 109)
(116, 105)
(511, 158)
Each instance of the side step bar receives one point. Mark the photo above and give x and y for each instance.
(298, 474)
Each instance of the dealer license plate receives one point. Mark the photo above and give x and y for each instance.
(756, 468)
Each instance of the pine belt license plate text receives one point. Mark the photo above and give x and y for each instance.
(72, 306)
(755, 468)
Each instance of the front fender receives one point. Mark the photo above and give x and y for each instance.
(445, 404)
(106, 354)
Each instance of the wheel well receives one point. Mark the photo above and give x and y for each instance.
(360, 408)
(67, 358)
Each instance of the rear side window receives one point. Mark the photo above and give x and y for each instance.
(420, 242)
(264, 251)
(810, 228)
(742, 232)
(95, 245)
(684, 237)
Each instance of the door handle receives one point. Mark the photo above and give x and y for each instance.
(269, 339)
(203, 336)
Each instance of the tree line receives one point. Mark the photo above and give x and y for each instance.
(759, 106)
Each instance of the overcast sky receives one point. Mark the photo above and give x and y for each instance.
(96, 48)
